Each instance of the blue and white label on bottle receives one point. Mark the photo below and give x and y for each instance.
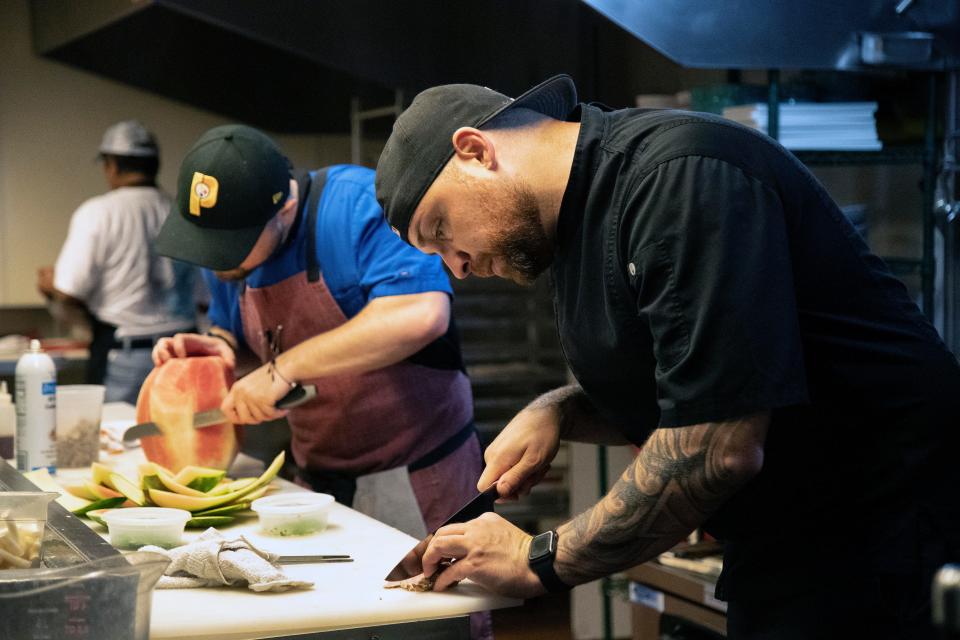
(49, 388)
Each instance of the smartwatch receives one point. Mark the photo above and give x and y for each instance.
(543, 551)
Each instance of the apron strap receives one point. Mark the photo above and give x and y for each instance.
(318, 181)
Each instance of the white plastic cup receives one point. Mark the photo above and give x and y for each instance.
(296, 513)
(79, 407)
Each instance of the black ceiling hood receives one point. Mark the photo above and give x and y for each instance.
(293, 65)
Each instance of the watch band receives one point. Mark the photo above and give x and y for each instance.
(543, 567)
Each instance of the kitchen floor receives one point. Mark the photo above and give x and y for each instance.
(544, 618)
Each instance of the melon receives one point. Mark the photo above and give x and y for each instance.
(170, 396)
(200, 478)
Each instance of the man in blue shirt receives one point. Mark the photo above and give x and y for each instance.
(305, 272)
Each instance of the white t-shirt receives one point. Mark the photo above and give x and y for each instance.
(108, 261)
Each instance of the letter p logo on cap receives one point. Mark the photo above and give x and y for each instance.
(203, 192)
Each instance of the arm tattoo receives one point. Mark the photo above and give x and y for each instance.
(678, 479)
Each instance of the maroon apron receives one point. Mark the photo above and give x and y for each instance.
(403, 415)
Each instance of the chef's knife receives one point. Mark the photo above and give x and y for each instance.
(297, 396)
(411, 564)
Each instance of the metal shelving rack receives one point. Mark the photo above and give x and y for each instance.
(925, 155)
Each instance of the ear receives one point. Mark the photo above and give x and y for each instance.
(472, 144)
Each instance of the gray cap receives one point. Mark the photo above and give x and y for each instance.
(129, 138)
(420, 144)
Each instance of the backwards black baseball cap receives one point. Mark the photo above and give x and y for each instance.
(232, 182)
(420, 144)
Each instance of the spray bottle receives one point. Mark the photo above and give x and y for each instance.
(36, 410)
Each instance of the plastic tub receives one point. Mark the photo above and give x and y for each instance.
(23, 515)
(138, 526)
(296, 513)
(78, 424)
(105, 598)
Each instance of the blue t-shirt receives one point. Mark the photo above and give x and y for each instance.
(360, 256)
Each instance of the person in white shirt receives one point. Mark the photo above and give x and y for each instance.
(108, 266)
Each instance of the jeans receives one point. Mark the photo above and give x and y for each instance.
(126, 371)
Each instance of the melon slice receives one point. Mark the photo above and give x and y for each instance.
(230, 487)
(106, 503)
(97, 515)
(101, 492)
(44, 481)
(202, 522)
(195, 503)
(130, 491)
(225, 510)
(81, 491)
(101, 475)
(170, 396)
(200, 478)
(172, 485)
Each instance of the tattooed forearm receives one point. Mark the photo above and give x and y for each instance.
(579, 420)
(678, 479)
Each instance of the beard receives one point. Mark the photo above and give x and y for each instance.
(522, 241)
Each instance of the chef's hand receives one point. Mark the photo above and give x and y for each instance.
(488, 550)
(45, 281)
(183, 345)
(252, 398)
(521, 454)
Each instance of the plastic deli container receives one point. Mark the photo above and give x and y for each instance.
(297, 513)
(23, 515)
(135, 527)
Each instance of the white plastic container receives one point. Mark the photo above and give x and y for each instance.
(135, 527)
(297, 513)
(8, 424)
(36, 410)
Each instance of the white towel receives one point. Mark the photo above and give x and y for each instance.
(213, 561)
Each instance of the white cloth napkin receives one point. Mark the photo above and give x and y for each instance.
(213, 561)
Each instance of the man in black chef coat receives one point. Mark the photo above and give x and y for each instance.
(718, 310)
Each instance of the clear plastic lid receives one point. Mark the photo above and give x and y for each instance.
(292, 503)
(146, 517)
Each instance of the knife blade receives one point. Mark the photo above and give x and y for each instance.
(297, 396)
(410, 565)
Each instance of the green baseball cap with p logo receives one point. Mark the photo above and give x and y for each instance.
(231, 183)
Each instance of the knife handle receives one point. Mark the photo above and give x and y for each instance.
(297, 396)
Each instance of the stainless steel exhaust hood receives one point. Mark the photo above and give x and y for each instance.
(810, 34)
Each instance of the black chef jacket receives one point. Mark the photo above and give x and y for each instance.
(703, 274)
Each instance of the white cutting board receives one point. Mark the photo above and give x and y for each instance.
(345, 595)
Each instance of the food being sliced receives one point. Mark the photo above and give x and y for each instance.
(172, 485)
(170, 396)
